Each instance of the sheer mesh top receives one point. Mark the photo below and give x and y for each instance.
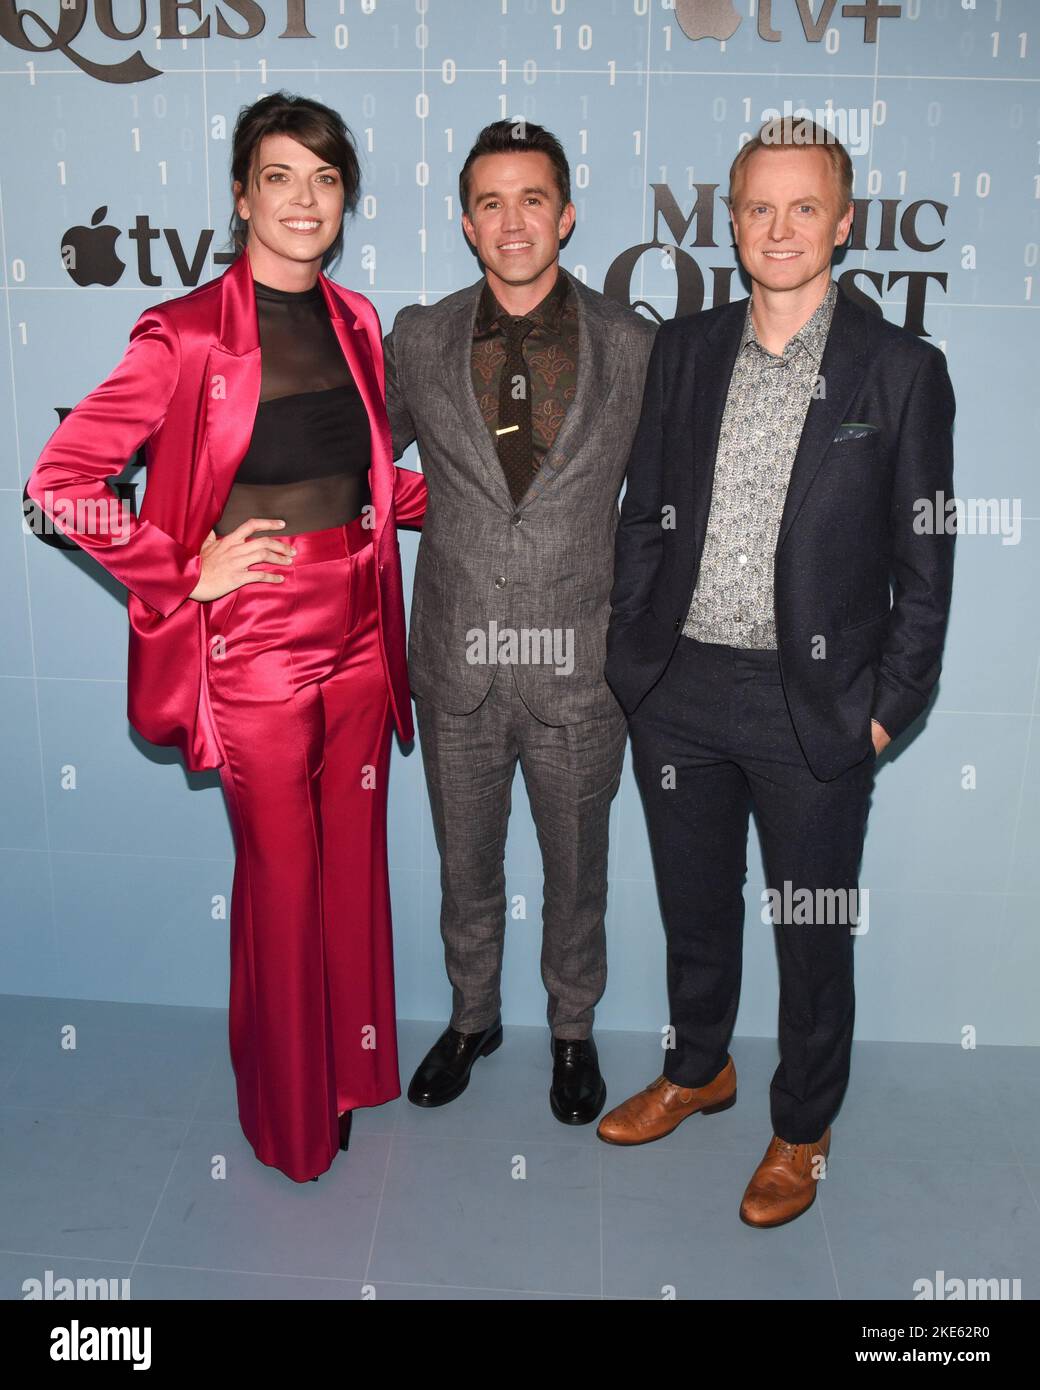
(309, 454)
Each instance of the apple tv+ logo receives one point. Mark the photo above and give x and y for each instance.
(718, 19)
(89, 253)
(707, 19)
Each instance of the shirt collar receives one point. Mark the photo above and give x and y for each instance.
(811, 338)
(546, 313)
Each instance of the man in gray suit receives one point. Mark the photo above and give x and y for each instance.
(523, 392)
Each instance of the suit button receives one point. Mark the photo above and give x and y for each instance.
(678, 624)
(500, 582)
(516, 518)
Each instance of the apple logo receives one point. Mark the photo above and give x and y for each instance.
(89, 253)
(707, 19)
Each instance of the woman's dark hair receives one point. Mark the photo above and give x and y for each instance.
(507, 137)
(318, 127)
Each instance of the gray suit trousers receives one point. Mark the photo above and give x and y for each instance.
(572, 774)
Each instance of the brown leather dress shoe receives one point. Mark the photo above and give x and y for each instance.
(784, 1183)
(662, 1106)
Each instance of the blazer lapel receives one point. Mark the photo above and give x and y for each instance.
(358, 353)
(232, 380)
(841, 372)
(459, 348)
(596, 373)
(233, 377)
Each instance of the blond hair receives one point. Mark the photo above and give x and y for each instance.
(797, 131)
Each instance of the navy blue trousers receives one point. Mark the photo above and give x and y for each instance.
(713, 742)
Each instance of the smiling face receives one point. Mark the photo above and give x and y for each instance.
(293, 209)
(787, 217)
(514, 219)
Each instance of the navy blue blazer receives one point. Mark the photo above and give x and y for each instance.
(856, 563)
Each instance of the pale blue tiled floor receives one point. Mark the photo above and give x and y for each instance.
(105, 1166)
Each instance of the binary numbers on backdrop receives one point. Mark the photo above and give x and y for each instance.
(946, 238)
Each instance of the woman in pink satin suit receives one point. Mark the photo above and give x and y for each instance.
(267, 633)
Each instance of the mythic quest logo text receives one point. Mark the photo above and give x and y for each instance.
(25, 28)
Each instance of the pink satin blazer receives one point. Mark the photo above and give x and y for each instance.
(187, 388)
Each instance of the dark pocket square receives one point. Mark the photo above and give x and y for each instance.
(853, 429)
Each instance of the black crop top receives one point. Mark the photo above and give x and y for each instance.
(309, 454)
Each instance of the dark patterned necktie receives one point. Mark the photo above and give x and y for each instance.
(515, 449)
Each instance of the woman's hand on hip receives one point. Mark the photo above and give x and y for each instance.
(226, 559)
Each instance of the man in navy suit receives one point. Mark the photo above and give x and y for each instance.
(779, 610)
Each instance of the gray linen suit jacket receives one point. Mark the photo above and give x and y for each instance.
(545, 565)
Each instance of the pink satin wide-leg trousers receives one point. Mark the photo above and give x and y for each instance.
(301, 707)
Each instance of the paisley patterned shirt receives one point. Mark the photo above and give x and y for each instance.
(765, 411)
(551, 353)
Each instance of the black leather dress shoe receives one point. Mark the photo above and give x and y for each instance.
(578, 1091)
(444, 1072)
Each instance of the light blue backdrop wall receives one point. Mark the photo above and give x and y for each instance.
(94, 902)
